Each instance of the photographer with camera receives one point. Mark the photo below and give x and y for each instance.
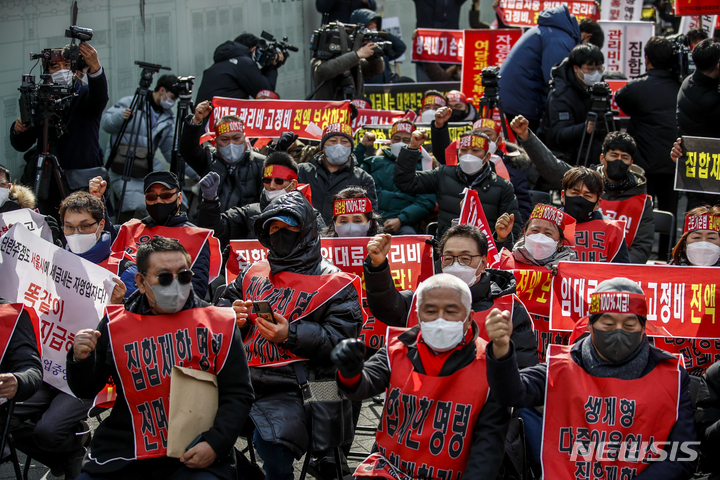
(569, 103)
(698, 104)
(342, 58)
(373, 21)
(160, 102)
(650, 101)
(237, 72)
(75, 124)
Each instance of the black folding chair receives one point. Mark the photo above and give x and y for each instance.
(536, 196)
(8, 440)
(665, 224)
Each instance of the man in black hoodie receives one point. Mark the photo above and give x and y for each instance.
(235, 73)
(315, 306)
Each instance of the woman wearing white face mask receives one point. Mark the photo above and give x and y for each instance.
(700, 243)
(545, 241)
(463, 254)
(402, 213)
(353, 215)
(333, 169)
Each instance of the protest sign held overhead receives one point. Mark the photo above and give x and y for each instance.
(698, 170)
(484, 48)
(524, 13)
(438, 46)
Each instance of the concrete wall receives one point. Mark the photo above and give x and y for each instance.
(181, 34)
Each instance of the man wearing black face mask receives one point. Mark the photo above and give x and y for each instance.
(623, 188)
(315, 306)
(609, 383)
(163, 197)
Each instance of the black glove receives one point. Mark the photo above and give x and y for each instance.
(349, 357)
(57, 233)
(286, 141)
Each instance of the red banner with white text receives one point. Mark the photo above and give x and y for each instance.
(484, 48)
(377, 117)
(410, 261)
(697, 7)
(524, 13)
(682, 301)
(472, 214)
(268, 118)
(438, 46)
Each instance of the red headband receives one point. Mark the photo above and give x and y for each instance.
(351, 206)
(278, 171)
(551, 214)
(487, 123)
(702, 222)
(337, 128)
(455, 96)
(229, 127)
(472, 141)
(267, 94)
(402, 127)
(618, 302)
(434, 100)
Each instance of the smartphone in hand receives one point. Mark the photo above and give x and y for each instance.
(263, 309)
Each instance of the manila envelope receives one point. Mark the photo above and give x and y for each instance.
(193, 405)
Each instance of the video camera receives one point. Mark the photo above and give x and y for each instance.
(600, 98)
(491, 81)
(268, 47)
(335, 39)
(681, 55)
(185, 85)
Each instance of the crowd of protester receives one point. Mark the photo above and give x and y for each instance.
(468, 392)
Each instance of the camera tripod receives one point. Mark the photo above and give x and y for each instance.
(141, 103)
(599, 109)
(185, 106)
(488, 103)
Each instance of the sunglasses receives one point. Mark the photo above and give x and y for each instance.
(278, 181)
(151, 197)
(166, 278)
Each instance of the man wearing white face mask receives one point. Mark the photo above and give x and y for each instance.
(401, 212)
(279, 179)
(163, 323)
(449, 182)
(441, 359)
(568, 103)
(463, 253)
(431, 102)
(333, 169)
(160, 103)
(227, 154)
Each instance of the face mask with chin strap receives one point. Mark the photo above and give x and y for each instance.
(161, 213)
(171, 298)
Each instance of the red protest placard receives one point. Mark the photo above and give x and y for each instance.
(437, 46)
(697, 7)
(616, 85)
(410, 261)
(682, 301)
(267, 118)
(524, 13)
(376, 117)
(472, 214)
(482, 49)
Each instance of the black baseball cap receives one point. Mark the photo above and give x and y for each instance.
(167, 179)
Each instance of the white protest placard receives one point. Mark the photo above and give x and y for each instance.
(627, 10)
(702, 22)
(67, 292)
(33, 221)
(624, 46)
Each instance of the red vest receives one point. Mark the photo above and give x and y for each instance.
(146, 347)
(629, 211)
(293, 296)
(135, 233)
(10, 314)
(506, 302)
(427, 425)
(605, 427)
(598, 240)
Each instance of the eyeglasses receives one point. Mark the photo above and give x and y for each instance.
(278, 181)
(84, 228)
(466, 260)
(166, 278)
(151, 197)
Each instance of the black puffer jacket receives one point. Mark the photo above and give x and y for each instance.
(235, 74)
(278, 414)
(707, 419)
(650, 100)
(447, 183)
(567, 108)
(698, 106)
(392, 306)
(22, 359)
(113, 440)
(240, 183)
(237, 223)
(325, 184)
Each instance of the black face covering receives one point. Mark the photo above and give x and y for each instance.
(616, 170)
(616, 345)
(458, 115)
(162, 212)
(578, 207)
(283, 241)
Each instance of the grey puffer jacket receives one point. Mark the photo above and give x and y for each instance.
(278, 412)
